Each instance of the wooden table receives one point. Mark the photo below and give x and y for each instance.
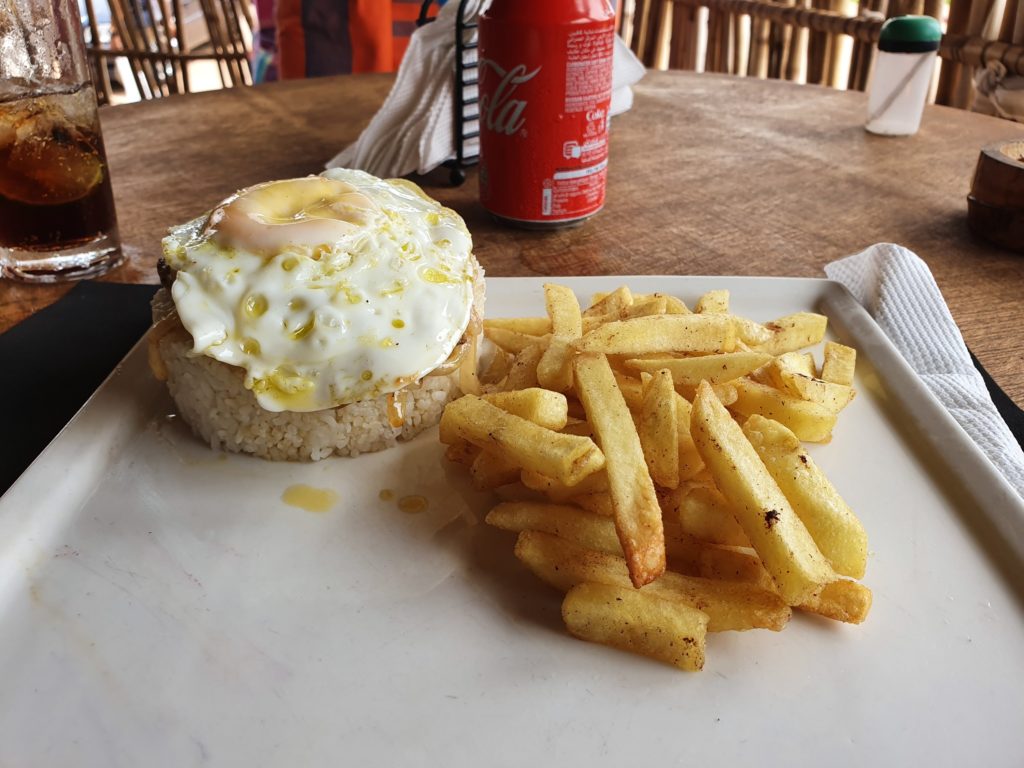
(709, 175)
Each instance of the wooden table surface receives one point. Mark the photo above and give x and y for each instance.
(708, 175)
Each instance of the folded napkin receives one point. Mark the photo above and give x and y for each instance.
(898, 291)
(414, 129)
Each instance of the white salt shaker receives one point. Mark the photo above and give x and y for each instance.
(903, 72)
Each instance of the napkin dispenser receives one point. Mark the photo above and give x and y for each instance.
(466, 124)
(995, 206)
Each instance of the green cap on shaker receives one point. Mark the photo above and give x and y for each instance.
(910, 34)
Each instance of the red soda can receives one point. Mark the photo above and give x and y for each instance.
(545, 91)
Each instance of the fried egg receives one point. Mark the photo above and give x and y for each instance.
(326, 290)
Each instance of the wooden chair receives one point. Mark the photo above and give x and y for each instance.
(795, 40)
(645, 26)
(150, 37)
(803, 39)
(978, 32)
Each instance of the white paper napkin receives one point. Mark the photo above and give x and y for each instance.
(898, 291)
(414, 129)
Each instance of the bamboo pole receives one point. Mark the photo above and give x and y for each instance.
(683, 41)
(979, 19)
(817, 48)
(1006, 29)
(949, 75)
(969, 50)
(757, 64)
(626, 10)
(741, 32)
(639, 41)
(796, 51)
(662, 35)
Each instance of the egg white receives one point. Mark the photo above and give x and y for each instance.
(370, 289)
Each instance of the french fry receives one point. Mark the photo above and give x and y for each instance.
(600, 503)
(490, 470)
(704, 513)
(559, 491)
(637, 514)
(597, 531)
(842, 600)
(682, 552)
(810, 422)
(675, 306)
(659, 429)
(554, 370)
(690, 371)
(833, 526)
(702, 334)
(835, 397)
(750, 333)
(729, 605)
(655, 305)
(732, 564)
(567, 457)
(523, 373)
(690, 462)
(794, 332)
(726, 393)
(585, 528)
(513, 341)
(497, 369)
(839, 363)
(533, 326)
(541, 406)
(762, 375)
(668, 631)
(469, 381)
(605, 304)
(640, 298)
(692, 557)
(590, 323)
(786, 378)
(632, 390)
(762, 510)
(798, 362)
(713, 303)
(563, 309)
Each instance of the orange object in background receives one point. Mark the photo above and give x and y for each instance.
(334, 37)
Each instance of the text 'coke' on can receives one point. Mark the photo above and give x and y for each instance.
(545, 92)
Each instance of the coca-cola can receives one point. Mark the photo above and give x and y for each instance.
(545, 92)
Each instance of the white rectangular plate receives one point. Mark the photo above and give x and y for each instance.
(161, 606)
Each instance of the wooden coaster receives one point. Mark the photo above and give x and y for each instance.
(995, 207)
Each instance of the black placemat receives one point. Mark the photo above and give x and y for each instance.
(1012, 415)
(53, 361)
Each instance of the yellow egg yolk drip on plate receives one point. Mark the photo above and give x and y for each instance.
(327, 290)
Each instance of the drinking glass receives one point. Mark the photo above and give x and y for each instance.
(57, 217)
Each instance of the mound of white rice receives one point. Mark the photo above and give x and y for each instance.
(211, 397)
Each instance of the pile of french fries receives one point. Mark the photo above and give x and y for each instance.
(650, 459)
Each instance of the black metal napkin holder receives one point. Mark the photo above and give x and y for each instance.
(467, 110)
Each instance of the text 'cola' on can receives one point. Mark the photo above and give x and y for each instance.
(545, 92)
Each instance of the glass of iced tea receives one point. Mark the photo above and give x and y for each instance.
(57, 217)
